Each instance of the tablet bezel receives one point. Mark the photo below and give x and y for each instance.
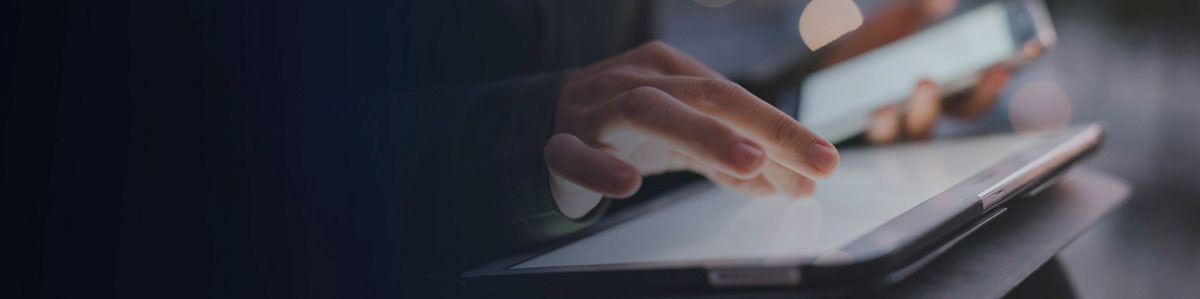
(898, 244)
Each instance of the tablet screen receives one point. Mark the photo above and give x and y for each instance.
(870, 187)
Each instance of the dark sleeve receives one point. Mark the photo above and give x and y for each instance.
(477, 184)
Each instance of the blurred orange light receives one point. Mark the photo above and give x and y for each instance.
(824, 21)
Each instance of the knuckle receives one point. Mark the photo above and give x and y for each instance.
(657, 48)
(715, 91)
(785, 132)
(655, 45)
(638, 103)
(717, 87)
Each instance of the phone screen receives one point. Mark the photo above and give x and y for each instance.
(872, 186)
(836, 102)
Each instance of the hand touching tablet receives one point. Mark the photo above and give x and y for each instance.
(655, 109)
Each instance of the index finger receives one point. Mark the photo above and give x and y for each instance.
(784, 139)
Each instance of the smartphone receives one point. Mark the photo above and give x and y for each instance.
(836, 102)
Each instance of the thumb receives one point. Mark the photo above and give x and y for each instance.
(581, 175)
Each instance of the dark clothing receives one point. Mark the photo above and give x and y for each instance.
(478, 187)
(477, 115)
(295, 148)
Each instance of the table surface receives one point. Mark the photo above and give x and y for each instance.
(1001, 254)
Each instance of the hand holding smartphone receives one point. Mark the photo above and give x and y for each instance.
(837, 102)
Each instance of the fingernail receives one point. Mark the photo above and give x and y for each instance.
(822, 157)
(746, 155)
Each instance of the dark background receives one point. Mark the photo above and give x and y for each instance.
(153, 148)
(148, 152)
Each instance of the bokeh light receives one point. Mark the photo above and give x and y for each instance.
(1039, 106)
(824, 21)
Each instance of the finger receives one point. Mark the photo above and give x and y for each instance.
(885, 126)
(784, 139)
(667, 60)
(981, 98)
(922, 110)
(788, 182)
(568, 157)
(756, 186)
(700, 136)
(935, 9)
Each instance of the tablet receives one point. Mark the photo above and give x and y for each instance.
(883, 213)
